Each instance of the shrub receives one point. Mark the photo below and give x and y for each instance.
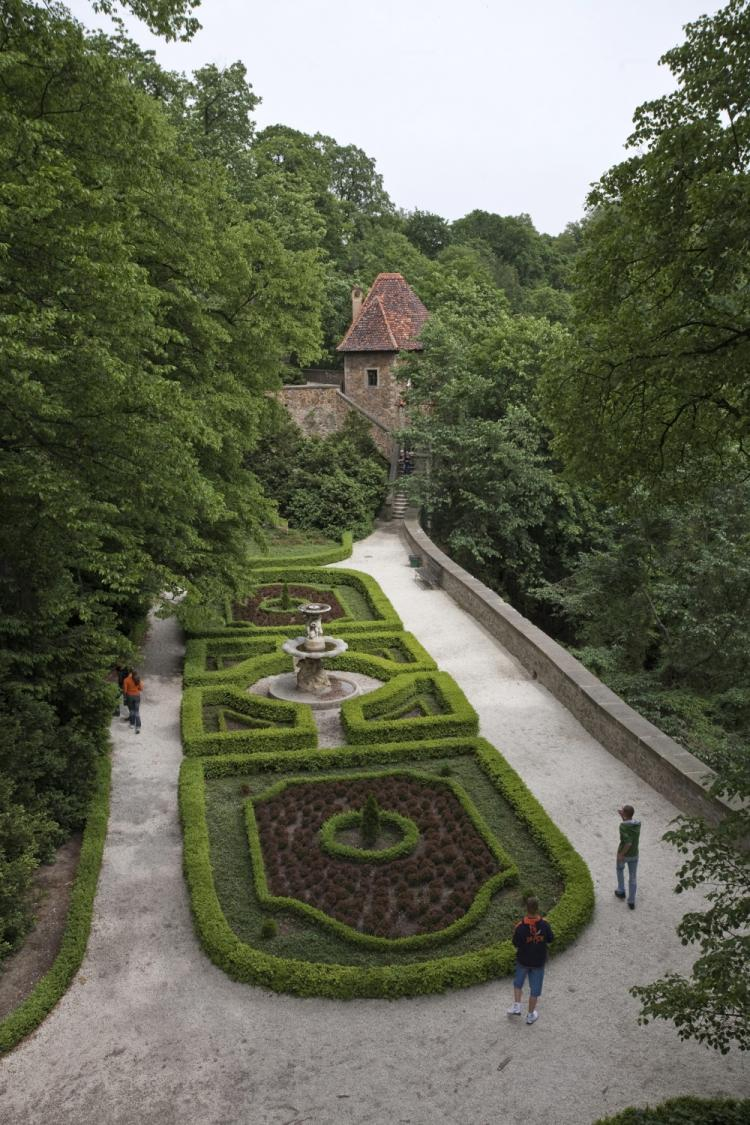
(296, 731)
(268, 929)
(685, 1111)
(370, 821)
(361, 720)
(30, 1013)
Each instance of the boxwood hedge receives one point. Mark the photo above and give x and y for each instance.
(323, 557)
(685, 1111)
(251, 654)
(297, 732)
(247, 963)
(208, 621)
(360, 716)
(45, 995)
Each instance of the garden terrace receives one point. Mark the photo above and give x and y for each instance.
(244, 660)
(286, 890)
(365, 607)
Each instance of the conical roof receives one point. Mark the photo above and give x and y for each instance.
(391, 318)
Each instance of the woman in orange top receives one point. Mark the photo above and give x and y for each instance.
(133, 686)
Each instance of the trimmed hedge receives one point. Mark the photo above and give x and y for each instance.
(246, 963)
(207, 621)
(477, 910)
(298, 735)
(342, 820)
(685, 1111)
(48, 991)
(249, 649)
(359, 716)
(257, 650)
(323, 557)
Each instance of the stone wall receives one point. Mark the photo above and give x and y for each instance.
(653, 755)
(381, 402)
(320, 410)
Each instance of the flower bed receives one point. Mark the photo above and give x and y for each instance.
(316, 955)
(434, 882)
(256, 610)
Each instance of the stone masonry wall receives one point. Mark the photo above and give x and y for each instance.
(382, 402)
(320, 410)
(658, 759)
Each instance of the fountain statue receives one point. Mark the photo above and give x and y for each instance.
(313, 684)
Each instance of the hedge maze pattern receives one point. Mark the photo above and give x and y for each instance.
(290, 887)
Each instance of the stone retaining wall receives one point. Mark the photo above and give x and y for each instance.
(653, 755)
(320, 409)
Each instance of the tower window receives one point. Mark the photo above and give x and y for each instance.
(372, 376)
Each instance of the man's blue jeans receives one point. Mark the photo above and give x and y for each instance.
(632, 869)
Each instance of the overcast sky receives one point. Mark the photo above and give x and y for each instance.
(463, 104)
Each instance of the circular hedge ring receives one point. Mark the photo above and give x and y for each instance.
(339, 822)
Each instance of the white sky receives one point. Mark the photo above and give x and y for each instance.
(463, 104)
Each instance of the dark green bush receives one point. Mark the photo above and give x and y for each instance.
(359, 716)
(685, 1111)
(370, 821)
(269, 928)
(30, 1013)
(298, 731)
(22, 836)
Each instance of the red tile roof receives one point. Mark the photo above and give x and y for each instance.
(391, 318)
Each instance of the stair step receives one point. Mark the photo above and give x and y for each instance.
(399, 504)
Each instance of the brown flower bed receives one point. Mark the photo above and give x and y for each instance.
(249, 610)
(418, 893)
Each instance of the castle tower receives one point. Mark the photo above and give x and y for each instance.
(387, 322)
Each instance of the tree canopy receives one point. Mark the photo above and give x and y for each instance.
(654, 376)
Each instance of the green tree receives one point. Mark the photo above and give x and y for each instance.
(493, 493)
(144, 314)
(430, 233)
(654, 376)
(711, 1004)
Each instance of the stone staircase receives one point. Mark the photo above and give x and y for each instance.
(399, 505)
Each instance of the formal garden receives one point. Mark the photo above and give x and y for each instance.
(393, 864)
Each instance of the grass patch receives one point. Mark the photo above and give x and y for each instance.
(354, 603)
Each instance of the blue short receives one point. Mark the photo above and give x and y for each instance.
(536, 976)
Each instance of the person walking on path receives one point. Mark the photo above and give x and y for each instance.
(627, 853)
(531, 938)
(133, 686)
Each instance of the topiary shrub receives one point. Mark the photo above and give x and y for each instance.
(268, 929)
(370, 821)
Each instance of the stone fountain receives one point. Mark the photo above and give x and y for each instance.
(311, 682)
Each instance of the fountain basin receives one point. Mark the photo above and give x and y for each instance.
(286, 687)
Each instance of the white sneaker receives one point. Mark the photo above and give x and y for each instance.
(532, 1017)
(514, 1010)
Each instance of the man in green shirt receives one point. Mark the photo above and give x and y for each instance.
(627, 853)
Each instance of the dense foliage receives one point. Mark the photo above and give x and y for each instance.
(684, 1111)
(325, 484)
(144, 311)
(711, 1004)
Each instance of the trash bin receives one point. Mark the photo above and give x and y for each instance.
(415, 560)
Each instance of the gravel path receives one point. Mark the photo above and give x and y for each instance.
(150, 1032)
